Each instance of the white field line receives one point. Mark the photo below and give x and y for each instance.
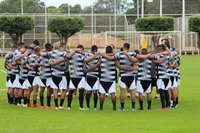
(2, 71)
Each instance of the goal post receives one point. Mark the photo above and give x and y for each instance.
(135, 38)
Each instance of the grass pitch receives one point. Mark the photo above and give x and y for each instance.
(185, 118)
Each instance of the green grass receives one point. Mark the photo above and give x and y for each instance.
(185, 118)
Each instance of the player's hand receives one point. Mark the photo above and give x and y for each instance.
(51, 63)
(86, 70)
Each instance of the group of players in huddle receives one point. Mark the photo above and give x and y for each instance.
(30, 68)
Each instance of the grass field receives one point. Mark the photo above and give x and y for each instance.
(184, 119)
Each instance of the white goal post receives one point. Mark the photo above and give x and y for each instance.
(135, 38)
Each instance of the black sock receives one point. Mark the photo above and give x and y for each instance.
(56, 102)
(122, 105)
(174, 103)
(162, 97)
(11, 100)
(88, 99)
(133, 104)
(101, 105)
(41, 100)
(62, 101)
(70, 96)
(19, 100)
(81, 98)
(8, 96)
(141, 104)
(16, 101)
(34, 102)
(95, 100)
(177, 100)
(114, 105)
(149, 105)
(48, 101)
(167, 98)
(25, 100)
(28, 101)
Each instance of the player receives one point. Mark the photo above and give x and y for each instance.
(23, 73)
(33, 76)
(92, 76)
(8, 67)
(162, 76)
(107, 79)
(45, 77)
(59, 81)
(14, 77)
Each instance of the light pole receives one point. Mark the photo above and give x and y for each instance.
(68, 9)
(45, 22)
(115, 20)
(138, 12)
(160, 8)
(92, 19)
(22, 7)
(142, 8)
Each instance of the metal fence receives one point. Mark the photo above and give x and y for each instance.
(95, 27)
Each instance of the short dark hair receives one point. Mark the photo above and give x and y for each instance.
(14, 46)
(37, 49)
(164, 39)
(36, 42)
(113, 46)
(144, 51)
(48, 45)
(31, 48)
(62, 44)
(26, 46)
(126, 45)
(80, 46)
(137, 51)
(161, 47)
(121, 49)
(108, 49)
(94, 48)
(21, 43)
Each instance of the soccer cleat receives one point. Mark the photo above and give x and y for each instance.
(56, 108)
(35, 106)
(81, 109)
(68, 108)
(149, 108)
(29, 105)
(41, 107)
(61, 107)
(121, 109)
(114, 109)
(24, 105)
(133, 109)
(95, 109)
(156, 97)
(139, 109)
(163, 108)
(19, 104)
(87, 108)
(173, 106)
(49, 107)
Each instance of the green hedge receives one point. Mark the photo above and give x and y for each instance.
(194, 23)
(154, 24)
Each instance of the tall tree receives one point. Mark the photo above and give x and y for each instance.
(16, 26)
(65, 27)
(108, 6)
(14, 6)
(173, 7)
